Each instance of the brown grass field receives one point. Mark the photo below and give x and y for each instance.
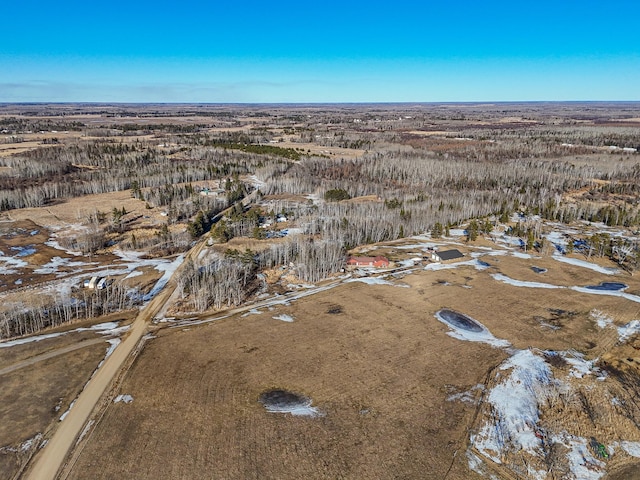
(33, 398)
(380, 372)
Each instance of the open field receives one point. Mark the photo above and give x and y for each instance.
(381, 370)
(518, 360)
(40, 380)
(373, 377)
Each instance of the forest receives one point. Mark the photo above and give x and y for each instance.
(345, 175)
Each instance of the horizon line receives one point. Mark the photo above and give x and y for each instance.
(432, 102)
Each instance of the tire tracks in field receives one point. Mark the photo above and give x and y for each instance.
(51, 354)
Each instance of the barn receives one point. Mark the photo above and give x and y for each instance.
(378, 262)
(446, 255)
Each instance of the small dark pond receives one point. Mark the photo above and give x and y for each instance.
(539, 270)
(608, 286)
(283, 401)
(459, 320)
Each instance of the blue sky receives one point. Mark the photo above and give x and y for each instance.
(330, 51)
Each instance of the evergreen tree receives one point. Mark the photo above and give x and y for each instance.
(472, 231)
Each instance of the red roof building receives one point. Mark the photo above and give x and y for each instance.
(378, 262)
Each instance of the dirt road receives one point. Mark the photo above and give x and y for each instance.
(49, 461)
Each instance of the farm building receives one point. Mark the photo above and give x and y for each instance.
(96, 283)
(206, 192)
(446, 255)
(368, 262)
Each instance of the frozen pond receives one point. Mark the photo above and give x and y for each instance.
(460, 320)
(608, 286)
(466, 328)
(283, 401)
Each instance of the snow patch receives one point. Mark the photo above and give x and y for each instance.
(56, 263)
(36, 338)
(467, 397)
(113, 343)
(135, 273)
(24, 251)
(584, 264)
(631, 328)
(477, 264)
(579, 366)
(602, 320)
(410, 262)
(284, 317)
(54, 244)
(64, 415)
(511, 241)
(490, 252)
(632, 448)
(520, 283)
(27, 444)
(582, 463)
(375, 281)
(514, 402)
(10, 264)
(107, 328)
(521, 255)
(168, 269)
(123, 398)
(304, 411)
(85, 430)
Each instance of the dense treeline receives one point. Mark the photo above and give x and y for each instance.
(419, 190)
(44, 175)
(228, 280)
(15, 125)
(222, 281)
(426, 168)
(87, 304)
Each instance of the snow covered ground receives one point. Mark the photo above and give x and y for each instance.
(375, 281)
(520, 283)
(515, 403)
(584, 264)
(522, 386)
(168, 269)
(10, 264)
(475, 263)
(123, 398)
(107, 328)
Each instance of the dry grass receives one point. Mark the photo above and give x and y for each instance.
(75, 211)
(377, 377)
(33, 398)
(379, 366)
(314, 149)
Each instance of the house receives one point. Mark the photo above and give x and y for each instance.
(378, 262)
(446, 255)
